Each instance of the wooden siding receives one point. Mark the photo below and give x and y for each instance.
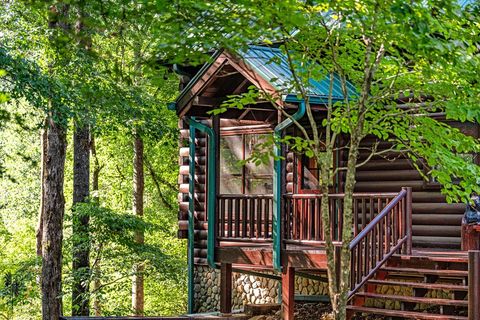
(200, 188)
(436, 223)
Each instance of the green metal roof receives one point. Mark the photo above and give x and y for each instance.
(272, 64)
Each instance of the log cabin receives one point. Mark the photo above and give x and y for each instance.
(410, 251)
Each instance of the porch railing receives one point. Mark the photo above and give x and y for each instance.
(244, 217)
(303, 221)
(388, 233)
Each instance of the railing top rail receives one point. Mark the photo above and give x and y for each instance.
(377, 219)
(245, 196)
(341, 195)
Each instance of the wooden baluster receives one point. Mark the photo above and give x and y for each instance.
(367, 255)
(244, 206)
(309, 218)
(258, 210)
(388, 226)
(221, 227)
(395, 225)
(355, 217)
(359, 262)
(230, 217)
(237, 218)
(252, 218)
(364, 213)
(373, 245)
(294, 218)
(332, 219)
(340, 218)
(267, 218)
(380, 240)
(318, 220)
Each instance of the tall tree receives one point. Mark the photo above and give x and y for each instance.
(54, 204)
(53, 212)
(138, 299)
(81, 184)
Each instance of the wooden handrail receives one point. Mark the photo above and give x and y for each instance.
(245, 196)
(377, 219)
(385, 235)
(340, 195)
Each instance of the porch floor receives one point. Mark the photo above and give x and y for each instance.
(314, 257)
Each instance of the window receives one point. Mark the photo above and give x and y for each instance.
(236, 178)
(310, 174)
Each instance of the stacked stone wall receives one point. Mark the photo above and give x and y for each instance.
(246, 289)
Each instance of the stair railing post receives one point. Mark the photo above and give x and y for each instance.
(408, 219)
(474, 285)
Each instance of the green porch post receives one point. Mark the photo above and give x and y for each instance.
(277, 185)
(211, 202)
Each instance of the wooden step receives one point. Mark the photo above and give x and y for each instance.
(432, 301)
(441, 273)
(422, 285)
(405, 314)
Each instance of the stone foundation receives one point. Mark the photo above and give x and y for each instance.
(249, 289)
(246, 289)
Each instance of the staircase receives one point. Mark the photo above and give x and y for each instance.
(416, 287)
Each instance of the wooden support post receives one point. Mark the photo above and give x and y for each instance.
(408, 221)
(470, 237)
(226, 288)
(288, 292)
(474, 285)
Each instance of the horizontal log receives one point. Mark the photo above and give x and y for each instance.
(185, 151)
(199, 160)
(387, 186)
(185, 170)
(438, 208)
(185, 134)
(436, 242)
(201, 235)
(398, 164)
(390, 175)
(200, 261)
(184, 187)
(428, 196)
(199, 225)
(201, 253)
(182, 179)
(381, 145)
(199, 206)
(199, 215)
(290, 156)
(437, 219)
(364, 154)
(182, 197)
(290, 177)
(289, 167)
(434, 230)
(289, 187)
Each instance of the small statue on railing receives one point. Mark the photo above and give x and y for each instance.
(472, 212)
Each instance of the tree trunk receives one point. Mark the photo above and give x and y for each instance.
(52, 231)
(138, 188)
(80, 233)
(96, 272)
(43, 156)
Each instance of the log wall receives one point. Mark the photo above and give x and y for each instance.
(436, 223)
(199, 194)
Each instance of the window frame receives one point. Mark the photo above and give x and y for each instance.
(243, 132)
